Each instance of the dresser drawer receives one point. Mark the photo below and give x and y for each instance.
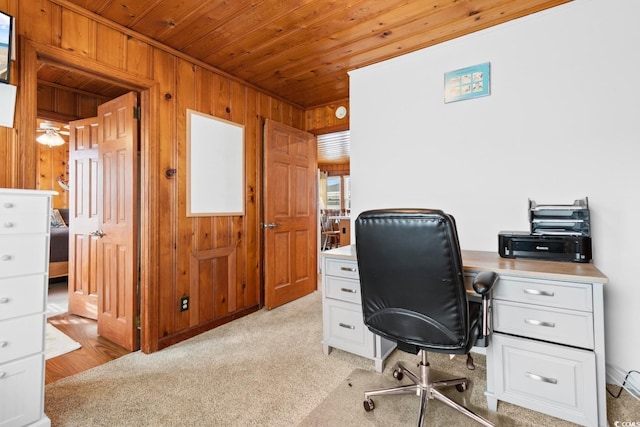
(574, 296)
(21, 391)
(22, 295)
(23, 254)
(549, 324)
(343, 289)
(21, 336)
(342, 268)
(545, 377)
(20, 223)
(23, 204)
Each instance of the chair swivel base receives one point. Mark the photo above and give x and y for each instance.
(427, 390)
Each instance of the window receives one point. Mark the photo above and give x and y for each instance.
(334, 193)
(346, 193)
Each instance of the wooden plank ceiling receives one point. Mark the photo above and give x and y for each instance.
(301, 50)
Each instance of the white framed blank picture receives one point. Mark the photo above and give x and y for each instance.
(215, 163)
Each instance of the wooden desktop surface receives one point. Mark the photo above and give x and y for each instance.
(485, 260)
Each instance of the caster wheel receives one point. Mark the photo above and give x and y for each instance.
(461, 387)
(368, 405)
(397, 374)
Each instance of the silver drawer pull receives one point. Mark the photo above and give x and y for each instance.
(8, 225)
(540, 378)
(8, 205)
(538, 292)
(6, 257)
(351, 291)
(4, 300)
(540, 323)
(350, 269)
(3, 344)
(344, 325)
(2, 374)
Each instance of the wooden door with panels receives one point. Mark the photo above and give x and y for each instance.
(289, 213)
(83, 212)
(103, 251)
(118, 221)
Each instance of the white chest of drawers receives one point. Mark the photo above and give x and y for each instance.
(343, 327)
(24, 260)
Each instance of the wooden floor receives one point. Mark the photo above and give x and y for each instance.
(95, 350)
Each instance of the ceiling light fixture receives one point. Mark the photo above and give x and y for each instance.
(51, 138)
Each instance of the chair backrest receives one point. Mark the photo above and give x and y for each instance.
(411, 279)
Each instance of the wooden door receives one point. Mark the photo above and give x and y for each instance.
(118, 231)
(83, 215)
(289, 213)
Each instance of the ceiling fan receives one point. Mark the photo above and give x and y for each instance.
(51, 134)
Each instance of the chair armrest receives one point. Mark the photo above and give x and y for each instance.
(484, 282)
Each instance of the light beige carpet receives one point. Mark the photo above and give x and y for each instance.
(265, 369)
(56, 343)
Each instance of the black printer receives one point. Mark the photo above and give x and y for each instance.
(557, 233)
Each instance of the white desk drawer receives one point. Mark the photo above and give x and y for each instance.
(21, 336)
(343, 290)
(342, 268)
(22, 203)
(549, 324)
(20, 223)
(574, 296)
(550, 378)
(23, 254)
(23, 295)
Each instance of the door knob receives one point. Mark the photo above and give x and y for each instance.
(98, 233)
(270, 225)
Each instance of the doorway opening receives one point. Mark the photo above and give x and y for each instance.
(65, 96)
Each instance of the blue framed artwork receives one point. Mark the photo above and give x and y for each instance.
(467, 83)
(6, 30)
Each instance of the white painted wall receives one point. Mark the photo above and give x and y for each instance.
(561, 123)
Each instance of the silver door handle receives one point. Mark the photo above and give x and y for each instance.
(98, 233)
(270, 225)
(344, 325)
(8, 224)
(4, 300)
(6, 257)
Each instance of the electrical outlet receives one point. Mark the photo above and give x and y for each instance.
(184, 303)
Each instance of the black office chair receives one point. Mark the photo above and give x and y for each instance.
(413, 292)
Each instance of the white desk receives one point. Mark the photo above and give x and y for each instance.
(547, 348)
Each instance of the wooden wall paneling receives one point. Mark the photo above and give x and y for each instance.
(110, 46)
(322, 119)
(238, 113)
(139, 57)
(253, 212)
(203, 226)
(46, 98)
(167, 235)
(186, 87)
(165, 74)
(78, 34)
(87, 106)
(65, 103)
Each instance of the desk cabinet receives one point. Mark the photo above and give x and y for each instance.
(343, 327)
(547, 347)
(24, 260)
